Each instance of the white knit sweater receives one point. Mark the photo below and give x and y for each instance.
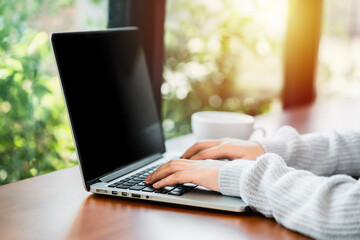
(303, 181)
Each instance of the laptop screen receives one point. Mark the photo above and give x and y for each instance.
(109, 99)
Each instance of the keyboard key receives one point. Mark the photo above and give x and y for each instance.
(185, 189)
(160, 191)
(176, 192)
(136, 181)
(133, 182)
(128, 184)
(149, 189)
(190, 185)
(164, 189)
(167, 188)
(139, 179)
(137, 187)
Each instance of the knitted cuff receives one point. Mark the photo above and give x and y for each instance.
(275, 145)
(282, 143)
(229, 176)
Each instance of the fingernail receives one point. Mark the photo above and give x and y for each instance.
(156, 185)
(148, 178)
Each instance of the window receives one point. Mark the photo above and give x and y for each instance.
(34, 133)
(224, 55)
(221, 55)
(339, 52)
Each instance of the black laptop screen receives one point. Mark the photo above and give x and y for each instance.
(109, 99)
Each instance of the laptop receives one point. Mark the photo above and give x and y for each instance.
(114, 120)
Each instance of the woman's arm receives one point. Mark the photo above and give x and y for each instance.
(320, 207)
(321, 153)
(325, 153)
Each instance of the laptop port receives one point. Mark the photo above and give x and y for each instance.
(135, 195)
(124, 194)
(101, 191)
(114, 192)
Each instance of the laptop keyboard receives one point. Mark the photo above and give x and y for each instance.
(136, 182)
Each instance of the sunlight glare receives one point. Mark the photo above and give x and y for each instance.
(245, 8)
(195, 45)
(195, 70)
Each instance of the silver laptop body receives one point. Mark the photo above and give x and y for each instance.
(114, 121)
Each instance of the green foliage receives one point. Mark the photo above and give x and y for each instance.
(33, 124)
(204, 54)
(204, 48)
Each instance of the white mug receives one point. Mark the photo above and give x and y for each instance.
(216, 124)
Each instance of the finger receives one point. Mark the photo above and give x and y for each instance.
(218, 152)
(168, 169)
(197, 147)
(176, 178)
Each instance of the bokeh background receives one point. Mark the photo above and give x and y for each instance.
(219, 55)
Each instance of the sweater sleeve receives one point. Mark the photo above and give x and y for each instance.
(325, 153)
(317, 206)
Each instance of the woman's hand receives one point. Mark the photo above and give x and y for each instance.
(203, 173)
(227, 148)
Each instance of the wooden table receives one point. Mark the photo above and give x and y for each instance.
(56, 206)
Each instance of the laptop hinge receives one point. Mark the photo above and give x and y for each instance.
(125, 170)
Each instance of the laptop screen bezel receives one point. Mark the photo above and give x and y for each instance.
(127, 167)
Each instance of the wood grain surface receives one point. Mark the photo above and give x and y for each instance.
(56, 206)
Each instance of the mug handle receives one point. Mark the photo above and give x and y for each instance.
(261, 129)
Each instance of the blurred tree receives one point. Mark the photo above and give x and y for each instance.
(205, 44)
(33, 124)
